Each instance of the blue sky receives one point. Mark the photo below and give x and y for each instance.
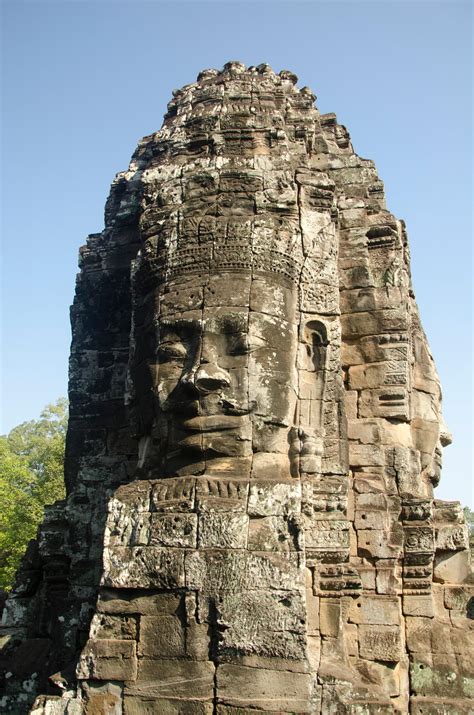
(82, 82)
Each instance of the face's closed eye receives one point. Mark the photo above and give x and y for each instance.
(176, 340)
(243, 344)
(171, 350)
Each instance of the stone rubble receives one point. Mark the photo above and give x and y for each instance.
(255, 434)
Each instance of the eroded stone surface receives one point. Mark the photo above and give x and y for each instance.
(254, 439)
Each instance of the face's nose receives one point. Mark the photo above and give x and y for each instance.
(445, 436)
(210, 378)
(205, 376)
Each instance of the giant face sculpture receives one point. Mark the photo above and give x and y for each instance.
(223, 385)
(226, 363)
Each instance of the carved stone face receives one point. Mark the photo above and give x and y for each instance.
(445, 439)
(429, 431)
(225, 374)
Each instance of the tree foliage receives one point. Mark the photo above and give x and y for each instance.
(469, 516)
(31, 476)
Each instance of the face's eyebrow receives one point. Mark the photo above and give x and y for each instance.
(228, 323)
(186, 324)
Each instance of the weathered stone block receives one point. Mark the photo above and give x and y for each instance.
(351, 640)
(54, 705)
(373, 323)
(134, 705)
(372, 610)
(384, 402)
(312, 612)
(351, 399)
(231, 710)
(376, 501)
(371, 519)
(139, 602)
(330, 617)
(223, 530)
(419, 539)
(361, 455)
(460, 641)
(418, 634)
(198, 640)
(217, 293)
(448, 511)
(146, 567)
(451, 537)
(128, 529)
(368, 576)
(135, 496)
(364, 431)
(378, 544)
(264, 299)
(460, 598)
(388, 577)
(440, 706)
(418, 605)
(374, 375)
(385, 679)
(424, 406)
(15, 612)
(237, 570)
(274, 533)
(268, 624)
(396, 434)
(267, 499)
(380, 642)
(424, 433)
(27, 658)
(113, 627)
(270, 690)
(108, 660)
(441, 642)
(173, 679)
(98, 698)
(173, 530)
(439, 678)
(271, 466)
(161, 637)
(405, 464)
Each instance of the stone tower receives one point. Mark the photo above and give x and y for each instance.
(255, 433)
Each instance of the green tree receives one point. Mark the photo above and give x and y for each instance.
(469, 516)
(31, 476)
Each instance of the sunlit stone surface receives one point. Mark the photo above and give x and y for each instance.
(255, 435)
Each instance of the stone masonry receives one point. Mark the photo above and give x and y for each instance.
(255, 434)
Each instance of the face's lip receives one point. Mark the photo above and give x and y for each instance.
(212, 423)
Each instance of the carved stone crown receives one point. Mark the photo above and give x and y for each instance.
(312, 277)
(232, 256)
